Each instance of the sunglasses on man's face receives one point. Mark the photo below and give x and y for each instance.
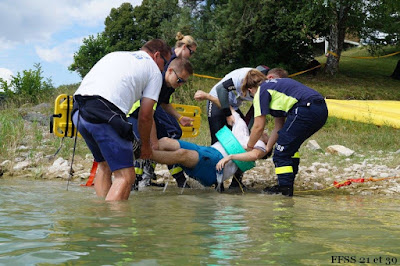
(190, 50)
(179, 79)
(165, 60)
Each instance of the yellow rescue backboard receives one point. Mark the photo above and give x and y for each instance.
(193, 112)
(62, 126)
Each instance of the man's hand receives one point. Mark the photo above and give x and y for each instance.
(201, 95)
(186, 121)
(230, 120)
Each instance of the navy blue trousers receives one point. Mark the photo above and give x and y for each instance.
(166, 125)
(300, 124)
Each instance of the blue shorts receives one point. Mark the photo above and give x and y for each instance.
(205, 171)
(105, 143)
(166, 125)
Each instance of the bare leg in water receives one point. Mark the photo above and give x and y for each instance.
(119, 189)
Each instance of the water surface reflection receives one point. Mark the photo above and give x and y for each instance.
(41, 222)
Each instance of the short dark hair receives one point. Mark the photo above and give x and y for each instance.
(157, 45)
(280, 72)
(180, 64)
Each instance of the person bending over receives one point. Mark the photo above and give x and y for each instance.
(227, 94)
(101, 104)
(167, 120)
(299, 112)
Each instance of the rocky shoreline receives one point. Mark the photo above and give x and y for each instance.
(334, 164)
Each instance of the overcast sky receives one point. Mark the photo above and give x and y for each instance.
(48, 32)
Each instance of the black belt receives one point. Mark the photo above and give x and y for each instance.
(316, 101)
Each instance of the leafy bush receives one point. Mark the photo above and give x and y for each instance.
(26, 87)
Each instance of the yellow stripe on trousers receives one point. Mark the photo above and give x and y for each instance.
(283, 170)
(175, 170)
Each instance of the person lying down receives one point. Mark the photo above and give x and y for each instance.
(200, 162)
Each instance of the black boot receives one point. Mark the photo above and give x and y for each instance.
(284, 190)
(220, 188)
(181, 180)
(135, 186)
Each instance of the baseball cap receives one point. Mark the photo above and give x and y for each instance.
(263, 69)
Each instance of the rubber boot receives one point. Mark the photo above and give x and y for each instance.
(177, 173)
(277, 189)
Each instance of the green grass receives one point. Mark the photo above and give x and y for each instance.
(363, 79)
(358, 79)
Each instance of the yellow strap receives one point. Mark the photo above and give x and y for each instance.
(296, 155)
(373, 57)
(333, 53)
(175, 170)
(364, 57)
(301, 72)
(283, 170)
(205, 76)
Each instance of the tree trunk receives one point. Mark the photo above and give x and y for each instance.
(336, 40)
(396, 72)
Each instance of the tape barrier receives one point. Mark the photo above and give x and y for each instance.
(291, 75)
(205, 76)
(302, 72)
(364, 57)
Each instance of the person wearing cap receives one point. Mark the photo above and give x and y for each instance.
(203, 162)
(101, 103)
(299, 112)
(225, 94)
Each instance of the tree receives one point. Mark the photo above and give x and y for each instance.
(361, 17)
(247, 33)
(126, 29)
(382, 25)
(121, 29)
(28, 86)
(92, 50)
(151, 14)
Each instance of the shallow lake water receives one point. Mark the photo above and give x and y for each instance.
(43, 223)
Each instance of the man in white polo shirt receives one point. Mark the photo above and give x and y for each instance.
(102, 101)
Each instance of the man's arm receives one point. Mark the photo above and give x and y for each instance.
(153, 137)
(279, 121)
(183, 120)
(201, 95)
(145, 123)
